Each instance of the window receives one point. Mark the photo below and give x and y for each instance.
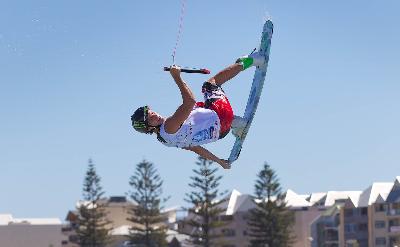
(380, 224)
(380, 208)
(348, 212)
(363, 227)
(364, 211)
(380, 241)
(349, 228)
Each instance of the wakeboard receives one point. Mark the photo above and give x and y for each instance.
(255, 92)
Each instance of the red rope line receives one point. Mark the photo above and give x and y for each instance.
(178, 36)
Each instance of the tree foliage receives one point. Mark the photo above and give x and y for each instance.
(270, 221)
(149, 228)
(92, 218)
(205, 211)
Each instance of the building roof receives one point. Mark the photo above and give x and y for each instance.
(333, 210)
(394, 195)
(320, 199)
(370, 195)
(243, 202)
(86, 204)
(171, 209)
(333, 196)
(238, 202)
(377, 192)
(295, 200)
(380, 199)
(7, 219)
(179, 236)
(316, 197)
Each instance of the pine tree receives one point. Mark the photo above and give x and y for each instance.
(270, 221)
(148, 228)
(92, 220)
(205, 207)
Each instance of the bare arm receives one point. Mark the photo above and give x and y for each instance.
(173, 123)
(208, 155)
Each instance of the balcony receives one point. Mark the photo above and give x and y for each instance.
(395, 229)
(394, 212)
(331, 228)
(331, 243)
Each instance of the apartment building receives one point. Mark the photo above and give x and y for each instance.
(369, 219)
(373, 220)
(306, 208)
(355, 225)
(234, 219)
(373, 198)
(18, 232)
(366, 218)
(317, 220)
(393, 214)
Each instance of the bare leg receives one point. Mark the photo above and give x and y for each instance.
(226, 74)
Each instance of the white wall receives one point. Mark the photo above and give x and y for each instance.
(21, 235)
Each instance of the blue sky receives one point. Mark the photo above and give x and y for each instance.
(72, 72)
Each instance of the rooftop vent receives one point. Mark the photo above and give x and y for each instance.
(119, 199)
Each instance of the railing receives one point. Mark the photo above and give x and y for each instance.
(394, 212)
(394, 229)
(331, 238)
